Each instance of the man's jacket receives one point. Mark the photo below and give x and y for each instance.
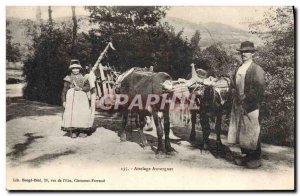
(254, 87)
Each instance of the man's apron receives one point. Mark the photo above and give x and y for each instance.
(243, 128)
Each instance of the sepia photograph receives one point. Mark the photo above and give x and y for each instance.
(150, 98)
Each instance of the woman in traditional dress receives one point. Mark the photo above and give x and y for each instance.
(77, 115)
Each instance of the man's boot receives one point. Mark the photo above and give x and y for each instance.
(254, 162)
(242, 161)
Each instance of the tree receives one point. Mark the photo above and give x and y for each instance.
(74, 33)
(171, 51)
(12, 49)
(127, 27)
(140, 39)
(118, 20)
(46, 67)
(196, 50)
(38, 15)
(195, 41)
(278, 60)
(217, 60)
(32, 32)
(50, 16)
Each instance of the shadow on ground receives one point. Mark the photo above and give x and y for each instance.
(37, 162)
(224, 152)
(113, 122)
(19, 149)
(17, 107)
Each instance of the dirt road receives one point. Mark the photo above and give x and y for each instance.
(37, 148)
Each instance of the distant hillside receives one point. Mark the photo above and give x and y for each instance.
(18, 27)
(210, 32)
(18, 31)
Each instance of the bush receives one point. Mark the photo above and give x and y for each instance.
(278, 60)
(218, 61)
(45, 69)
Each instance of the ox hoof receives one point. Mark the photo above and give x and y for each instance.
(192, 138)
(219, 142)
(123, 137)
(144, 143)
(219, 145)
(205, 149)
(220, 149)
(160, 154)
(171, 153)
(204, 152)
(147, 147)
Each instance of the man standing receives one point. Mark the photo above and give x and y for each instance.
(248, 88)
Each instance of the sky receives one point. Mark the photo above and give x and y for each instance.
(238, 17)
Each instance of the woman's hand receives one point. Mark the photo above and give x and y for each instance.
(64, 104)
(76, 88)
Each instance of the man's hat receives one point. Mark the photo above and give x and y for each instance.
(75, 66)
(247, 47)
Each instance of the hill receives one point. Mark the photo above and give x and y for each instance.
(212, 32)
(230, 36)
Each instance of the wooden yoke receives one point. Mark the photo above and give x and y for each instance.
(94, 85)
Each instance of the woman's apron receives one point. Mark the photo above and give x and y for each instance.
(78, 113)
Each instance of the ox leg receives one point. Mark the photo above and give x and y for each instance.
(158, 125)
(122, 133)
(193, 131)
(204, 120)
(141, 125)
(218, 132)
(169, 149)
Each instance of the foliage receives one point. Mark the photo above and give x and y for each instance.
(124, 19)
(45, 69)
(140, 39)
(278, 60)
(172, 52)
(12, 49)
(195, 40)
(218, 60)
